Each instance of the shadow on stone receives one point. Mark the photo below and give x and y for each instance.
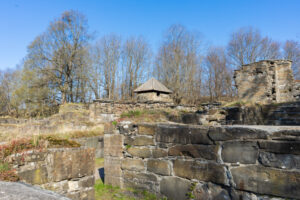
(101, 174)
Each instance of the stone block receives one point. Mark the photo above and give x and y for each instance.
(269, 181)
(133, 164)
(159, 153)
(139, 176)
(76, 163)
(209, 152)
(174, 187)
(140, 141)
(283, 147)
(283, 161)
(113, 180)
(85, 182)
(35, 176)
(139, 152)
(233, 133)
(113, 145)
(240, 151)
(182, 134)
(209, 191)
(112, 166)
(88, 194)
(160, 167)
(210, 172)
(108, 128)
(146, 129)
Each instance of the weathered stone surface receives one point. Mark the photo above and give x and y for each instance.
(112, 166)
(284, 147)
(35, 176)
(211, 172)
(113, 180)
(140, 141)
(28, 156)
(146, 129)
(238, 195)
(174, 187)
(108, 128)
(159, 153)
(268, 181)
(139, 152)
(240, 151)
(113, 145)
(161, 167)
(232, 133)
(265, 81)
(133, 164)
(284, 161)
(209, 191)
(139, 176)
(182, 134)
(93, 142)
(209, 152)
(88, 181)
(70, 163)
(17, 191)
(82, 195)
(141, 181)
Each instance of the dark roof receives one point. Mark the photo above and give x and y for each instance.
(152, 85)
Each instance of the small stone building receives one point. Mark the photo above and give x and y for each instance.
(266, 81)
(153, 90)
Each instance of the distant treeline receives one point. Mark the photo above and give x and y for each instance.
(66, 63)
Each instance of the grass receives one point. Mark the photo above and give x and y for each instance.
(159, 115)
(108, 192)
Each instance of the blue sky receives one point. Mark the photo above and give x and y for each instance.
(22, 20)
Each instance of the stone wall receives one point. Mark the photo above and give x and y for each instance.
(266, 81)
(93, 142)
(67, 171)
(154, 96)
(108, 110)
(200, 162)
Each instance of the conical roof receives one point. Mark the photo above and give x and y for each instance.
(152, 85)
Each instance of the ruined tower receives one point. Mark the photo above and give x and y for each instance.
(267, 81)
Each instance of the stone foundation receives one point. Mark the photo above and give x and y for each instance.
(223, 162)
(108, 110)
(67, 171)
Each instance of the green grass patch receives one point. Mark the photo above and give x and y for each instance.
(108, 192)
(132, 113)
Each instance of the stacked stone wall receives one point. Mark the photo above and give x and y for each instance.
(198, 162)
(67, 171)
(108, 110)
(267, 81)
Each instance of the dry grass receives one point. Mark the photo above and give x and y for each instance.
(159, 115)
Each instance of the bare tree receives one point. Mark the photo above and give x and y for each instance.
(110, 47)
(247, 46)
(178, 63)
(219, 75)
(136, 60)
(291, 51)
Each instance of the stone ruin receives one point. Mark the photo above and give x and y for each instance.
(267, 81)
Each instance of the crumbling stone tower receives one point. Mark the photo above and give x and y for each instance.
(267, 81)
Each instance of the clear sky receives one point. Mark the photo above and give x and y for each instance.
(22, 20)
